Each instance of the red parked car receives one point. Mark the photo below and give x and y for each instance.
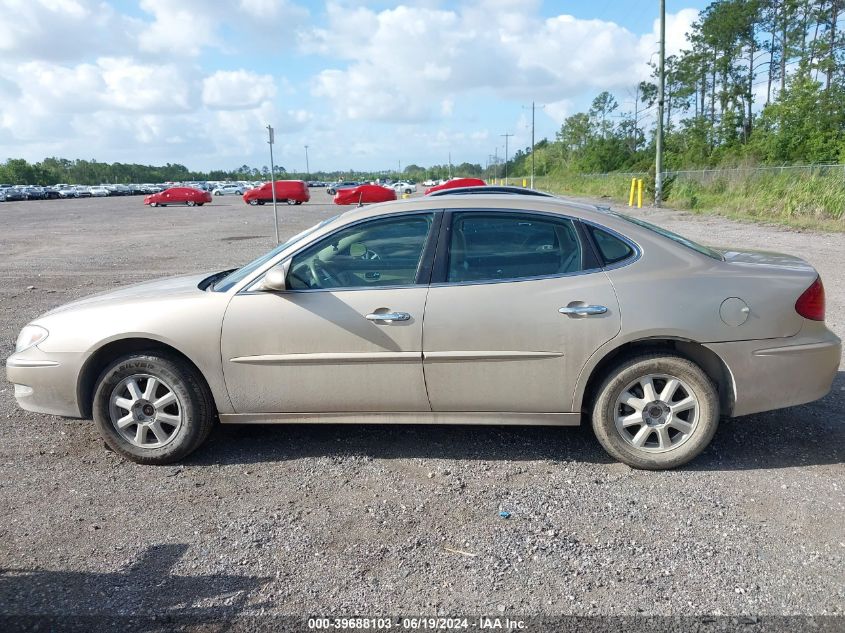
(178, 195)
(290, 191)
(457, 182)
(363, 194)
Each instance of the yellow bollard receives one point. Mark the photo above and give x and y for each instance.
(640, 193)
(633, 191)
(524, 182)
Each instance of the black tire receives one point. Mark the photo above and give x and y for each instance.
(291, 201)
(153, 204)
(620, 377)
(253, 201)
(195, 400)
(298, 202)
(191, 203)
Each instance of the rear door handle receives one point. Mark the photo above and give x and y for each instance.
(576, 311)
(388, 316)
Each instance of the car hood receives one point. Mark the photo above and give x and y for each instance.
(169, 287)
(764, 258)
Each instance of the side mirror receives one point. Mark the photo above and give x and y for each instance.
(276, 278)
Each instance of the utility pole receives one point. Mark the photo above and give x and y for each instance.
(270, 138)
(532, 140)
(496, 162)
(658, 162)
(507, 136)
(307, 167)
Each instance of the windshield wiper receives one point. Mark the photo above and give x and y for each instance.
(209, 282)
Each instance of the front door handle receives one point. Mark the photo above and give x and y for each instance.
(582, 310)
(388, 316)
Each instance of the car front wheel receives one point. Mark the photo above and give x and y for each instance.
(656, 411)
(191, 203)
(152, 408)
(153, 204)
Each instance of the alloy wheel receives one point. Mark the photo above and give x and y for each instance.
(145, 411)
(656, 413)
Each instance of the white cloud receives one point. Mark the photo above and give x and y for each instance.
(62, 30)
(404, 63)
(237, 90)
(180, 27)
(186, 27)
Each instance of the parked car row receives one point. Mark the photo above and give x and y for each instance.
(12, 193)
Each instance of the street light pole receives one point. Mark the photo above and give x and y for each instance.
(507, 136)
(658, 161)
(307, 167)
(270, 139)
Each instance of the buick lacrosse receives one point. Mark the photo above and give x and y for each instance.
(484, 309)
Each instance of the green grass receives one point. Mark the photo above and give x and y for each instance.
(791, 198)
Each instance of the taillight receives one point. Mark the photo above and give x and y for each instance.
(810, 304)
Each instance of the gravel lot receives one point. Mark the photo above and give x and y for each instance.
(395, 520)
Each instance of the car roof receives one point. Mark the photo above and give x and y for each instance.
(490, 201)
(486, 189)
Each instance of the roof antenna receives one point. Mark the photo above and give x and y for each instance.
(360, 197)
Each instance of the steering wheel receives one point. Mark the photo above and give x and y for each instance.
(370, 255)
(321, 274)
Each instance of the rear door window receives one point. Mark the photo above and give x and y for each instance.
(511, 246)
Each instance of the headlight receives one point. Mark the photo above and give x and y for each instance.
(29, 336)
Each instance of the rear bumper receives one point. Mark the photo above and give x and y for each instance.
(777, 373)
(46, 383)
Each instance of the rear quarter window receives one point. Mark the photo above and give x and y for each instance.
(611, 248)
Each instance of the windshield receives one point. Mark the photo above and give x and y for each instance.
(672, 236)
(241, 273)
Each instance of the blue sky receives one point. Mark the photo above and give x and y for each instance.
(367, 85)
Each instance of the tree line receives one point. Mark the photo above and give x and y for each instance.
(761, 81)
(50, 171)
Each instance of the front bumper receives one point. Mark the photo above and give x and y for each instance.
(46, 383)
(777, 373)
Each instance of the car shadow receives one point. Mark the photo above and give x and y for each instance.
(145, 596)
(811, 434)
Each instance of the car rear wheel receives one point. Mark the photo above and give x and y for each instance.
(656, 411)
(152, 408)
(299, 202)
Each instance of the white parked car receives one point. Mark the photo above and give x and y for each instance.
(428, 183)
(403, 187)
(228, 190)
(98, 192)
